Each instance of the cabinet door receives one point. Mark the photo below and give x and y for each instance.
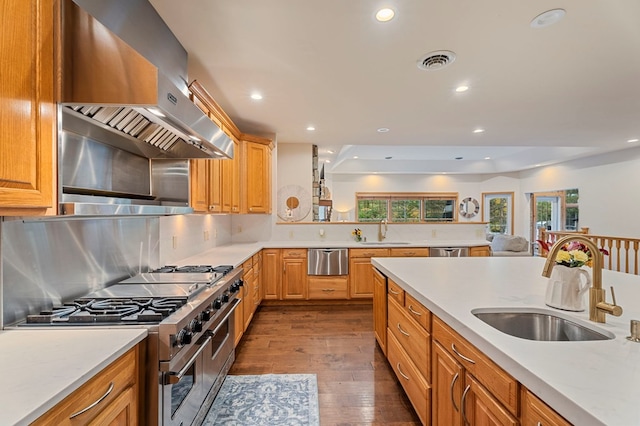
(480, 251)
(294, 279)
(247, 292)
(360, 278)
(380, 309)
(198, 185)
(235, 178)
(257, 280)
(481, 408)
(214, 186)
(27, 108)
(258, 177)
(446, 381)
(238, 319)
(271, 274)
(122, 411)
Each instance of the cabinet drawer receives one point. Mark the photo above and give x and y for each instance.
(328, 287)
(409, 252)
(414, 385)
(369, 252)
(395, 291)
(119, 376)
(535, 412)
(417, 311)
(411, 336)
(495, 379)
(247, 265)
(295, 253)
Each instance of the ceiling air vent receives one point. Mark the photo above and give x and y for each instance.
(436, 60)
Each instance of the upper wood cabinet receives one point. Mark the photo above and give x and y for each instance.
(255, 174)
(27, 108)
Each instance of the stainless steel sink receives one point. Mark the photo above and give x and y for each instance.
(384, 243)
(540, 324)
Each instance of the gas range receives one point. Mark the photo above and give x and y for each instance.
(189, 314)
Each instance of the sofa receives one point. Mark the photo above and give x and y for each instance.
(509, 245)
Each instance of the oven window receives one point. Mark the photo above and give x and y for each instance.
(180, 390)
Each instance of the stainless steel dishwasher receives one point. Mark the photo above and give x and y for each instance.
(449, 252)
(328, 261)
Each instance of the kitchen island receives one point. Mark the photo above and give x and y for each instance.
(39, 368)
(588, 383)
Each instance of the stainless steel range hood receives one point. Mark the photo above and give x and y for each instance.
(110, 84)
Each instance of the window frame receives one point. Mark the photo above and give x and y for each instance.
(407, 196)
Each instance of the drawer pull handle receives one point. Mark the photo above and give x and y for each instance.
(395, 293)
(414, 312)
(98, 401)
(453, 382)
(410, 253)
(401, 373)
(402, 331)
(453, 348)
(328, 290)
(464, 396)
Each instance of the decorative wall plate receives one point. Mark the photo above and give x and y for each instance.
(469, 207)
(294, 203)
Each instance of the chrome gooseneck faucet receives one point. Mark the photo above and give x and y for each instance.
(382, 233)
(598, 308)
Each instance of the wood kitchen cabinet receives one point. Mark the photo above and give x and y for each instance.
(467, 386)
(114, 391)
(27, 108)
(247, 292)
(294, 274)
(380, 309)
(271, 274)
(536, 413)
(361, 273)
(255, 173)
(479, 251)
(328, 287)
(198, 185)
(257, 280)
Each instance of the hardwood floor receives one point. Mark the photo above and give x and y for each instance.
(356, 385)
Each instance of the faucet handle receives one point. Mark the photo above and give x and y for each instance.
(610, 308)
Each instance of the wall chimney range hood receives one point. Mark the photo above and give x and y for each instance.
(110, 84)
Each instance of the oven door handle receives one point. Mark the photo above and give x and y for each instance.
(226, 317)
(173, 377)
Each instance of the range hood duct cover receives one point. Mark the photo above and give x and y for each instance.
(106, 81)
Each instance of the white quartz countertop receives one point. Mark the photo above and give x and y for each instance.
(236, 254)
(39, 368)
(589, 383)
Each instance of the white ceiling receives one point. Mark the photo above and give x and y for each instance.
(542, 95)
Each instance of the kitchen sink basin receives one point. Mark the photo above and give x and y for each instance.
(540, 324)
(384, 243)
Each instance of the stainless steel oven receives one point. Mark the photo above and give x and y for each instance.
(192, 383)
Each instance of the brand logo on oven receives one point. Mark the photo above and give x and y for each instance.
(172, 99)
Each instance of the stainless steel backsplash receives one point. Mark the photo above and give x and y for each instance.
(47, 262)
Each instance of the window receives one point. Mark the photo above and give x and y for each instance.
(572, 222)
(497, 210)
(406, 207)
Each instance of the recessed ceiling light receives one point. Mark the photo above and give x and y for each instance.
(311, 128)
(547, 18)
(382, 130)
(355, 157)
(256, 96)
(487, 158)
(461, 89)
(330, 151)
(385, 15)
(632, 140)
(478, 130)
(327, 161)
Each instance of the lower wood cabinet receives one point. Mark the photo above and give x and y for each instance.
(536, 413)
(329, 287)
(360, 271)
(294, 274)
(271, 274)
(109, 398)
(380, 309)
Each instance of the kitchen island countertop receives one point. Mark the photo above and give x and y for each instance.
(39, 368)
(589, 383)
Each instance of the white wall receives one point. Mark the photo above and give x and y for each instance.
(295, 162)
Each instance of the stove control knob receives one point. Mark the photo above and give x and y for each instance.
(240, 282)
(233, 287)
(183, 337)
(205, 315)
(217, 303)
(225, 297)
(195, 325)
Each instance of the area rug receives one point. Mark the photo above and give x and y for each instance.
(269, 399)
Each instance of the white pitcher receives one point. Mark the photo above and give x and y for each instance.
(566, 288)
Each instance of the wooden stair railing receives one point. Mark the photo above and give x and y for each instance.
(623, 253)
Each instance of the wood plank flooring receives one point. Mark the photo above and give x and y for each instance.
(356, 385)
